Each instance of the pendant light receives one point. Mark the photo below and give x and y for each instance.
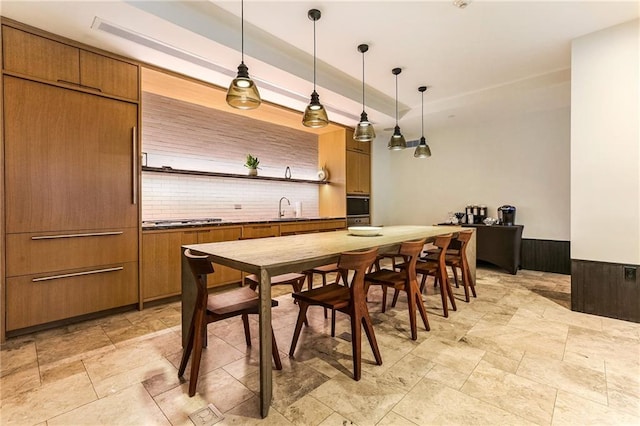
(243, 92)
(364, 130)
(422, 150)
(397, 142)
(315, 115)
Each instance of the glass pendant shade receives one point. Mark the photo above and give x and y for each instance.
(422, 150)
(364, 130)
(397, 142)
(243, 92)
(315, 116)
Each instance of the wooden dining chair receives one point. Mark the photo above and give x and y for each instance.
(216, 307)
(348, 299)
(457, 259)
(404, 280)
(438, 269)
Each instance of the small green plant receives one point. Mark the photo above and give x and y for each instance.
(252, 162)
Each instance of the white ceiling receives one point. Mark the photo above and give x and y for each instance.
(493, 58)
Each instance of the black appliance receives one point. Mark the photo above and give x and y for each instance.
(507, 215)
(357, 205)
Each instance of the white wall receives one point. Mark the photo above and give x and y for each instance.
(605, 145)
(519, 160)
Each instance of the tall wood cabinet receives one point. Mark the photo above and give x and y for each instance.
(71, 180)
(358, 164)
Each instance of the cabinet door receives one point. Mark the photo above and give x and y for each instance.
(68, 159)
(364, 167)
(39, 57)
(353, 172)
(108, 75)
(162, 263)
(352, 145)
(223, 274)
(260, 231)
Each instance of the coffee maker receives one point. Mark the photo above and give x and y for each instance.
(507, 215)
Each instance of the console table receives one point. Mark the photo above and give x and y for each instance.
(499, 245)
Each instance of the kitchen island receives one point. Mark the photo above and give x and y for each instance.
(273, 256)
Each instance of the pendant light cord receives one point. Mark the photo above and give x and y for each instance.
(423, 114)
(363, 81)
(314, 55)
(396, 100)
(242, 28)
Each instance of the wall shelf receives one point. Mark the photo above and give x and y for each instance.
(170, 170)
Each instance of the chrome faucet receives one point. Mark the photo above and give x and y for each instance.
(280, 211)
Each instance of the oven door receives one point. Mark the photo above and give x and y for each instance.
(357, 206)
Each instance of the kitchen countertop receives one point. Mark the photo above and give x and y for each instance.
(153, 225)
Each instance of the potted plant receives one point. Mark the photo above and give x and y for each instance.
(252, 164)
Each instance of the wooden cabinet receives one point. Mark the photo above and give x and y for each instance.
(293, 228)
(161, 259)
(364, 147)
(260, 231)
(358, 173)
(71, 213)
(46, 59)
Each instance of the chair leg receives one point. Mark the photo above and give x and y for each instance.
(187, 350)
(197, 354)
(396, 293)
(471, 283)
(423, 282)
(465, 282)
(443, 296)
(384, 298)
(309, 280)
(368, 329)
(455, 276)
(324, 283)
(274, 351)
(421, 308)
(333, 322)
(356, 344)
(302, 317)
(449, 290)
(411, 301)
(247, 332)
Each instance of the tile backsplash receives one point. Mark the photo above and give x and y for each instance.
(192, 137)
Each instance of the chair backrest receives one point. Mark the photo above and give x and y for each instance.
(442, 242)
(411, 250)
(359, 262)
(200, 266)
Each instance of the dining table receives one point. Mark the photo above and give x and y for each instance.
(267, 257)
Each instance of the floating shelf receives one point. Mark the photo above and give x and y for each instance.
(170, 170)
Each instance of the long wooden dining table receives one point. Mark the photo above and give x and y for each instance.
(272, 256)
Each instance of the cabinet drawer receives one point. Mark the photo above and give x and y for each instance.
(352, 145)
(39, 57)
(58, 296)
(34, 253)
(331, 225)
(260, 231)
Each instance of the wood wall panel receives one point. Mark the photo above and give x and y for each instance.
(600, 288)
(546, 256)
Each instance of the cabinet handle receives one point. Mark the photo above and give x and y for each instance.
(77, 274)
(134, 163)
(92, 234)
(68, 82)
(84, 86)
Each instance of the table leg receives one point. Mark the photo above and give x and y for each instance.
(189, 295)
(265, 342)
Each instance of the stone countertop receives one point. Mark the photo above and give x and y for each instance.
(155, 225)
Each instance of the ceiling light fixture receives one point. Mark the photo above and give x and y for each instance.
(397, 142)
(422, 150)
(461, 4)
(364, 130)
(243, 92)
(315, 115)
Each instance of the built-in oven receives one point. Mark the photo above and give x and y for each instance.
(357, 210)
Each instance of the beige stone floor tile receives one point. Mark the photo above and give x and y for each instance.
(157, 376)
(512, 393)
(50, 400)
(248, 414)
(570, 409)
(503, 349)
(575, 319)
(531, 321)
(362, 402)
(217, 354)
(620, 328)
(394, 419)
(139, 330)
(50, 373)
(623, 386)
(307, 411)
(405, 372)
(16, 355)
(603, 345)
(22, 380)
(336, 419)
(574, 378)
(132, 406)
(584, 360)
(73, 345)
(290, 384)
(501, 362)
(456, 355)
(519, 339)
(447, 376)
(431, 403)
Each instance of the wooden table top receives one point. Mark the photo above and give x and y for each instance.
(293, 253)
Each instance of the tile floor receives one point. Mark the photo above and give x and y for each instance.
(516, 355)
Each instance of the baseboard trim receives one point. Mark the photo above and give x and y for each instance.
(546, 255)
(600, 288)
